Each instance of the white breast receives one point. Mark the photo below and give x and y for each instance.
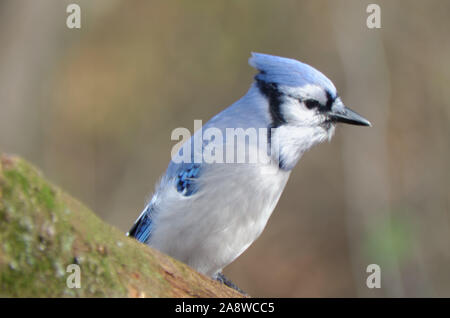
(213, 227)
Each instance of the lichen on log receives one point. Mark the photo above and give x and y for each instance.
(43, 230)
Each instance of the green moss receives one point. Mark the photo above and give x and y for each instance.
(46, 197)
(43, 230)
(16, 177)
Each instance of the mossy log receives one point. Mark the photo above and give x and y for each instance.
(43, 230)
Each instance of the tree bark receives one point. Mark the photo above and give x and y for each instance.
(43, 230)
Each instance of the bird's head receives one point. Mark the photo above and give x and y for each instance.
(302, 101)
(300, 95)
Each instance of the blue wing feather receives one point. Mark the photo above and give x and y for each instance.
(185, 183)
(185, 179)
(141, 229)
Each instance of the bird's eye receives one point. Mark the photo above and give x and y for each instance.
(311, 103)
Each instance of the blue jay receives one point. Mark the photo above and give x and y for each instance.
(207, 214)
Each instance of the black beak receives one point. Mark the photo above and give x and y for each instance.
(347, 116)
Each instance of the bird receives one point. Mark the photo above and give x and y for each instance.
(206, 214)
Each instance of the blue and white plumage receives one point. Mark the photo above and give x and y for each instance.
(207, 214)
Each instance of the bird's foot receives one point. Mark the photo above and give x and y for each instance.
(221, 278)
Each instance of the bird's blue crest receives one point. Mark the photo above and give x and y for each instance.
(288, 72)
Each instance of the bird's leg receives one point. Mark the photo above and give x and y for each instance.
(220, 277)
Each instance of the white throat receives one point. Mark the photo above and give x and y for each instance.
(293, 141)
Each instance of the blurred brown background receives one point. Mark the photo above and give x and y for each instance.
(94, 109)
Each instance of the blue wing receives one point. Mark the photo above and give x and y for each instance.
(142, 227)
(186, 179)
(185, 183)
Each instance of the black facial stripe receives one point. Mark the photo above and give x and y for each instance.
(270, 90)
(330, 101)
(315, 104)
